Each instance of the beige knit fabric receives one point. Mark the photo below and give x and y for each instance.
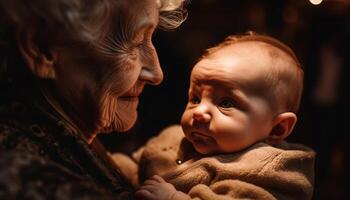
(259, 172)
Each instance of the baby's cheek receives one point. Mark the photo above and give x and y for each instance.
(186, 118)
(186, 125)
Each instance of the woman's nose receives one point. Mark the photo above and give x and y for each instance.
(151, 72)
(202, 114)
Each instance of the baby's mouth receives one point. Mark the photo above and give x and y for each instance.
(200, 135)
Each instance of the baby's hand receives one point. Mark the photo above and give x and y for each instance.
(156, 188)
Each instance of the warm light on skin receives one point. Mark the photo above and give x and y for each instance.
(316, 2)
(224, 113)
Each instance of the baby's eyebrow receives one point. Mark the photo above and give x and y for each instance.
(213, 80)
(239, 96)
(234, 86)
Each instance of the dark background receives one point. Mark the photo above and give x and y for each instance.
(320, 37)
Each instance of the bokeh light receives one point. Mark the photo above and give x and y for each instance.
(316, 2)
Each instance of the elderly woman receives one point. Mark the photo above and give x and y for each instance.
(70, 70)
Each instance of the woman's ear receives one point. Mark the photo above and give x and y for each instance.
(39, 61)
(283, 125)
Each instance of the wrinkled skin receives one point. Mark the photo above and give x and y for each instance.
(98, 85)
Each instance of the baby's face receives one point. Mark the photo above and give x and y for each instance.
(226, 111)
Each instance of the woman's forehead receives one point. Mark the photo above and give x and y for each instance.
(138, 10)
(129, 17)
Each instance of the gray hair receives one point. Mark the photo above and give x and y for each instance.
(172, 14)
(74, 19)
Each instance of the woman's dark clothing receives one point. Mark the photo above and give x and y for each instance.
(40, 159)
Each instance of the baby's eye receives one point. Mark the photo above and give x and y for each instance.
(227, 103)
(195, 100)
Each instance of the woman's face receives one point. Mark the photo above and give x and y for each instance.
(99, 84)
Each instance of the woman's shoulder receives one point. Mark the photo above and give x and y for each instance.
(16, 136)
(46, 155)
(26, 174)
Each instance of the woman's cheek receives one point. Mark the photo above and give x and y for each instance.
(124, 78)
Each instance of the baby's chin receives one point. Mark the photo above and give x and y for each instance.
(201, 143)
(202, 148)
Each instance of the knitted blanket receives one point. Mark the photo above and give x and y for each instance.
(259, 172)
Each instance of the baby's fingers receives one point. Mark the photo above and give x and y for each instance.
(157, 178)
(150, 182)
(144, 195)
(150, 188)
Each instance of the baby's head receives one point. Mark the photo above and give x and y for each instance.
(245, 90)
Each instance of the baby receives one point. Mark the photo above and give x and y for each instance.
(242, 103)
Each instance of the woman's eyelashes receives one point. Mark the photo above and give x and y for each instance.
(135, 49)
(141, 45)
(136, 44)
(141, 48)
(133, 53)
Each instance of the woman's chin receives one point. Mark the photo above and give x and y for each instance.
(122, 123)
(128, 103)
(119, 116)
(126, 126)
(126, 120)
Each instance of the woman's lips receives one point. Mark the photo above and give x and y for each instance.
(131, 96)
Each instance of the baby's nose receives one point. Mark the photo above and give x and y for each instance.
(201, 114)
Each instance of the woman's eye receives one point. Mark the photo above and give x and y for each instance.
(227, 103)
(133, 54)
(134, 50)
(195, 100)
(134, 47)
(137, 45)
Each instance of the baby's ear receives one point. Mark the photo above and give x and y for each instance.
(283, 126)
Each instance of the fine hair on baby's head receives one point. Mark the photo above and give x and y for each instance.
(283, 84)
